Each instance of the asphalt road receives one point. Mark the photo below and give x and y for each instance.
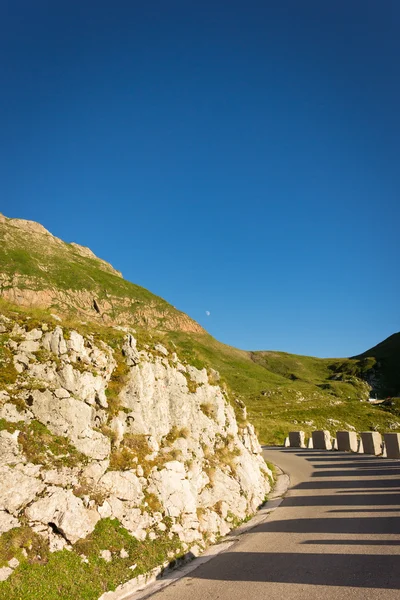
(336, 535)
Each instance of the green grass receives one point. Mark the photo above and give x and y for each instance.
(8, 373)
(15, 542)
(43, 448)
(65, 577)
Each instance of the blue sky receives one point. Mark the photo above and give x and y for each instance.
(237, 157)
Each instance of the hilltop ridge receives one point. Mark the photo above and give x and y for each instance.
(38, 269)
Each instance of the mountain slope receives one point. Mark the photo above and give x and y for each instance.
(38, 269)
(42, 275)
(384, 375)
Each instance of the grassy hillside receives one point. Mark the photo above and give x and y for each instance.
(41, 270)
(41, 275)
(384, 376)
(283, 392)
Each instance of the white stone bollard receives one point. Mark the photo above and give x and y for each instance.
(360, 447)
(286, 442)
(322, 440)
(372, 442)
(334, 444)
(347, 441)
(310, 444)
(297, 439)
(392, 444)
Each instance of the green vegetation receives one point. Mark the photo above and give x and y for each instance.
(117, 381)
(272, 468)
(10, 427)
(8, 373)
(392, 405)
(43, 448)
(25, 545)
(65, 575)
(224, 454)
(133, 450)
(384, 375)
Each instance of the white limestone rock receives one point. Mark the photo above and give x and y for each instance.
(28, 346)
(13, 563)
(106, 555)
(130, 351)
(9, 449)
(155, 401)
(161, 349)
(173, 489)
(23, 359)
(226, 489)
(197, 375)
(94, 470)
(5, 573)
(17, 489)
(71, 418)
(76, 343)
(61, 393)
(34, 335)
(105, 510)
(131, 517)
(66, 512)
(29, 469)
(123, 485)
(86, 386)
(64, 476)
(7, 521)
(10, 413)
(54, 341)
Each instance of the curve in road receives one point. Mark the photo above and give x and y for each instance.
(334, 536)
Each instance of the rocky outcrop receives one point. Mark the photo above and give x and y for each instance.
(124, 433)
(65, 512)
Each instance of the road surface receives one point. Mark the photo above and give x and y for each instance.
(336, 535)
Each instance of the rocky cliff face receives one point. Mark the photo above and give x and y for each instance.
(93, 428)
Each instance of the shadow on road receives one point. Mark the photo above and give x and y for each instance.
(358, 499)
(343, 542)
(363, 525)
(339, 481)
(355, 570)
